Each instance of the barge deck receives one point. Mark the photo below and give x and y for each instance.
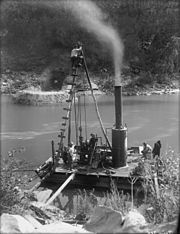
(102, 177)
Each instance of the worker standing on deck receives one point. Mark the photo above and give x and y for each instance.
(92, 141)
(70, 154)
(91, 146)
(147, 151)
(77, 55)
(156, 149)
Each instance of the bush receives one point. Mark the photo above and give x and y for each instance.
(11, 183)
(165, 206)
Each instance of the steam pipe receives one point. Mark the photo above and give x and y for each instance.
(118, 106)
(119, 133)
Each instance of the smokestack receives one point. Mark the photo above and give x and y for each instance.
(119, 133)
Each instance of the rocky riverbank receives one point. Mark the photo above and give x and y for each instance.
(25, 88)
(26, 209)
(34, 96)
(38, 97)
(103, 220)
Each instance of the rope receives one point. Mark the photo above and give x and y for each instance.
(76, 123)
(79, 116)
(85, 117)
(95, 102)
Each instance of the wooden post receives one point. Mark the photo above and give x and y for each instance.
(132, 181)
(156, 185)
(53, 153)
(51, 199)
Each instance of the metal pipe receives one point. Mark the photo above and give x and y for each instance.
(119, 133)
(53, 153)
(118, 106)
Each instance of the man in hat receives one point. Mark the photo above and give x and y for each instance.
(76, 55)
(92, 141)
(70, 154)
(91, 148)
(147, 151)
(156, 149)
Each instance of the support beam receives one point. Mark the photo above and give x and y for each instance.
(51, 199)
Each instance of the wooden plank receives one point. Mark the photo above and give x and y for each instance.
(51, 199)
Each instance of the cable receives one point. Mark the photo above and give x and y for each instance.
(85, 117)
(95, 102)
(76, 123)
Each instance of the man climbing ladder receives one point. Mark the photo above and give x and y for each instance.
(76, 56)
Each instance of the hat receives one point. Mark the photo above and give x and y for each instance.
(79, 43)
(71, 144)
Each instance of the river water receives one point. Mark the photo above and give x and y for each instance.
(30, 129)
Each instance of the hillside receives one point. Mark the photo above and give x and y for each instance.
(38, 36)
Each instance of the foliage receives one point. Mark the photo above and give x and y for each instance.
(88, 200)
(116, 200)
(165, 207)
(106, 84)
(156, 209)
(40, 36)
(86, 203)
(11, 183)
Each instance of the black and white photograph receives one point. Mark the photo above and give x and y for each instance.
(90, 108)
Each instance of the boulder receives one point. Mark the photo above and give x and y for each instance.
(171, 227)
(33, 221)
(104, 220)
(134, 218)
(60, 227)
(15, 224)
(42, 196)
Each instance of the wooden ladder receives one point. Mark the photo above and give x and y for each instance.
(68, 108)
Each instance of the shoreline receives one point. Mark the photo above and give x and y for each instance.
(26, 89)
(37, 97)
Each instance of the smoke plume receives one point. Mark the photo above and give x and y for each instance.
(90, 17)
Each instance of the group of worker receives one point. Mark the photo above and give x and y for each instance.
(77, 61)
(71, 153)
(148, 151)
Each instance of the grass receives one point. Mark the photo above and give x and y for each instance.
(156, 207)
(11, 183)
(165, 207)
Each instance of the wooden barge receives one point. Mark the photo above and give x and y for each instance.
(98, 179)
(98, 164)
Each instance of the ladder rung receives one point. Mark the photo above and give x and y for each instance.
(63, 124)
(74, 74)
(81, 90)
(61, 136)
(62, 130)
(71, 83)
(67, 109)
(64, 117)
